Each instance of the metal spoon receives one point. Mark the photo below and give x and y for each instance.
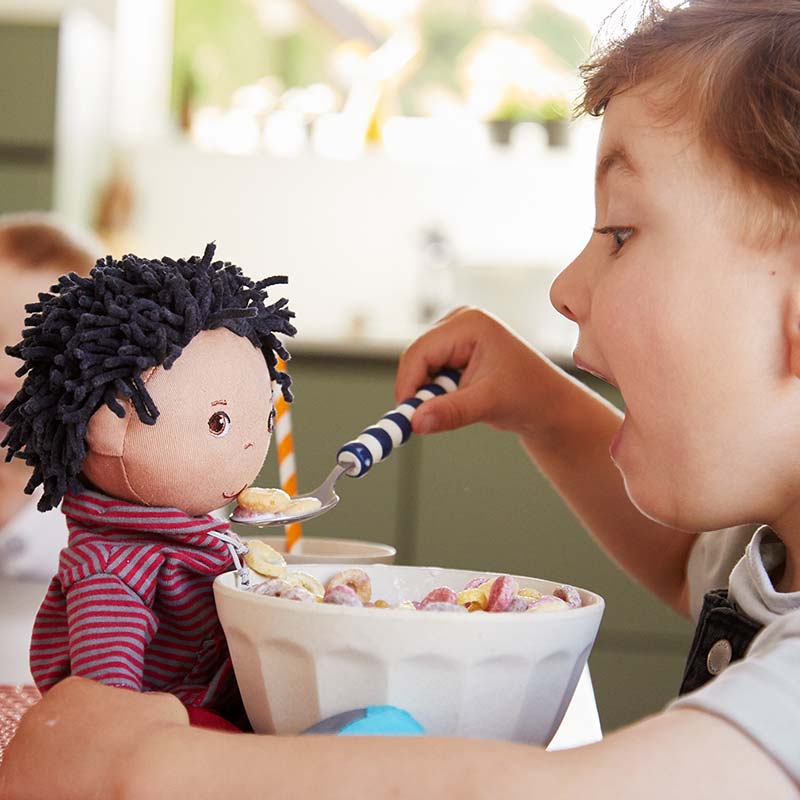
(356, 457)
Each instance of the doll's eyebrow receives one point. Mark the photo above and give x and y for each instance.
(219, 403)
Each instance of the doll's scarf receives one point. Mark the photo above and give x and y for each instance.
(132, 603)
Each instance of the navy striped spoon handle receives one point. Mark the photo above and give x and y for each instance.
(393, 429)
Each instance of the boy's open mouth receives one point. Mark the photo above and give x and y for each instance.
(235, 494)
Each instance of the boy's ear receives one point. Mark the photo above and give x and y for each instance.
(793, 330)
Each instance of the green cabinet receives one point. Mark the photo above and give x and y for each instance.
(472, 499)
(28, 98)
(25, 186)
(28, 77)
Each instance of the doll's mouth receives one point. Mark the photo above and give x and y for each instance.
(235, 494)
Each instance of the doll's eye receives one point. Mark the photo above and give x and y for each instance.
(219, 423)
(271, 421)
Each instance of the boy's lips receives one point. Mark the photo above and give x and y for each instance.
(582, 365)
(614, 444)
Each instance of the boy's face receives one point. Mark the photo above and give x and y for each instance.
(689, 322)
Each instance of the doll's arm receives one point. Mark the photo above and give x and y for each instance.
(110, 627)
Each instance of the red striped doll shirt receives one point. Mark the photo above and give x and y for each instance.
(132, 604)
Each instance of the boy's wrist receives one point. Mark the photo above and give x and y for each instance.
(549, 414)
(142, 773)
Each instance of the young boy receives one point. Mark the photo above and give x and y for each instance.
(687, 297)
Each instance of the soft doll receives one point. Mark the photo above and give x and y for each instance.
(147, 404)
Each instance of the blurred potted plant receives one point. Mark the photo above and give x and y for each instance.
(509, 79)
(516, 107)
(554, 114)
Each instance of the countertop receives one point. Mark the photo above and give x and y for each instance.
(390, 348)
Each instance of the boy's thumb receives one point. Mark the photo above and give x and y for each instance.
(446, 413)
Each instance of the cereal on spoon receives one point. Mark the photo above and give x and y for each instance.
(261, 502)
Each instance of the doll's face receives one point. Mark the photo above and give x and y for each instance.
(211, 436)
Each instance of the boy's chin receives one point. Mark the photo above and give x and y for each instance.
(658, 507)
(680, 515)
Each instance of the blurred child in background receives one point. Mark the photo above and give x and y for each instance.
(35, 249)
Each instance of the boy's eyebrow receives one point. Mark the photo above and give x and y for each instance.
(616, 157)
(219, 403)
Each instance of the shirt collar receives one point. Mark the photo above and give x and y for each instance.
(93, 508)
(750, 584)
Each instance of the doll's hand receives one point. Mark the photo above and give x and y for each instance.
(76, 741)
(502, 382)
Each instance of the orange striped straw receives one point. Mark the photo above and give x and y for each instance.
(287, 467)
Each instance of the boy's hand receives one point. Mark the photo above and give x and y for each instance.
(76, 741)
(502, 375)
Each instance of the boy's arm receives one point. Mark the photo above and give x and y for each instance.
(125, 746)
(565, 427)
(683, 754)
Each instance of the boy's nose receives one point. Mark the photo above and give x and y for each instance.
(560, 296)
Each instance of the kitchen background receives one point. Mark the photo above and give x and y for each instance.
(394, 158)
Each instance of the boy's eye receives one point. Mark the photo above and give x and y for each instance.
(271, 421)
(619, 235)
(219, 423)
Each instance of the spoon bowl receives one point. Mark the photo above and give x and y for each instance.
(324, 493)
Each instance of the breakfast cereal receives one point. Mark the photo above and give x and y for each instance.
(270, 501)
(355, 579)
(255, 502)
(265, 560)
(352, 587)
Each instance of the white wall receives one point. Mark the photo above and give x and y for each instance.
(348, 232)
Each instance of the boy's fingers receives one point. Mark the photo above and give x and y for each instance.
(412, 373)
(450, 411)
(427, 356)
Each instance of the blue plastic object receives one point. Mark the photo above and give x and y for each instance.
(370, 721)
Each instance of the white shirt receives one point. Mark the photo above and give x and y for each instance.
(760, 694)
(30, 543)
(29, 548)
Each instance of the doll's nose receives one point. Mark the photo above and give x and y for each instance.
(248, 445)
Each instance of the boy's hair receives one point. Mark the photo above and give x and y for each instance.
(733, 67)
(89, 341)
(35, 240)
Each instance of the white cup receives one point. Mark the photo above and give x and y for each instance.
(314, 550)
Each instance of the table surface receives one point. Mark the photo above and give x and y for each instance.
(14, 702)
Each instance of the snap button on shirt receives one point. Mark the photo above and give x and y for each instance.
(723, 634)
(719, 656)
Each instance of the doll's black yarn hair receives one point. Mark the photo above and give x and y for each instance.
(89, 340)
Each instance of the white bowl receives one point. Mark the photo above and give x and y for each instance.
(495, 676)
(316, 550)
